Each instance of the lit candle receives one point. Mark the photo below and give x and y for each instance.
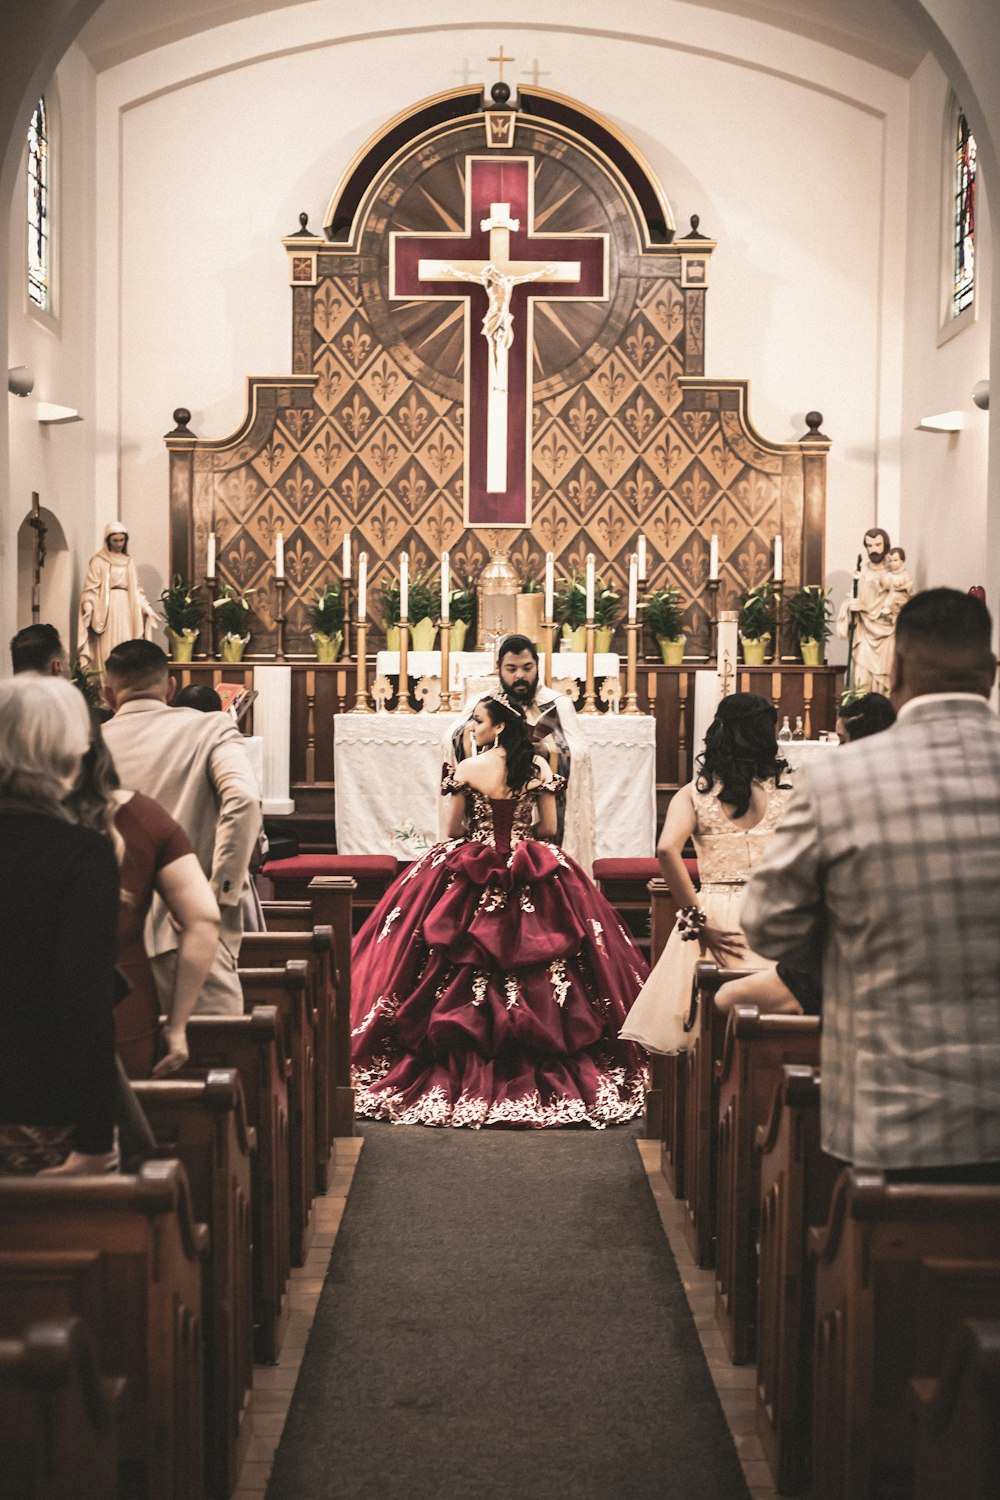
(210, 564)
(362, 585)
(445, 589)
(404, 586)
(549, 584)
(633, 587)
(345, 566)
(590, 588)
(642, 557)
(713, 558)
(779, 560)
(279, 555)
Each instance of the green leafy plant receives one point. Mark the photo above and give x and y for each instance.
(460, 604)
(757, 611)
(571, 603)
(233, 610)
(607, 603)
(533, 586)
(183, 606)
(89, 683)
(326, 612)
(424, 601)
(665, 612)
(809, 613)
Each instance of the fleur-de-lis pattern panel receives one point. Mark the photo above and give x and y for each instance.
(368, 434)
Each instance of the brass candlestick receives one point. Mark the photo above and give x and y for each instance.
(547, 674)
(778, 593)
(279, 619)
(345, 599)
(632, 629)
(590, 697)
(403, 694)
(361, 705)
(445, 628)
(713, 595)
(213, 647)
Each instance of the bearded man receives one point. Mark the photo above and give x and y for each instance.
(557, 738)
(874, 627)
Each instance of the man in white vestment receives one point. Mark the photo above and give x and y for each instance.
(557, 736)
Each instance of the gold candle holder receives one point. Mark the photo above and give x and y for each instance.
(361, 704)
(403, 694)
(345, 599)
(590, 697)
(632, 629)
(445, 628)
(279, 619)
(713, 596)
(548, 673)
(213, 644)
(778, 598)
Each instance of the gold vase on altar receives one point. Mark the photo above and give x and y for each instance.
(496, 596)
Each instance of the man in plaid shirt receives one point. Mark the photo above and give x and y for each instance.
(885, 871)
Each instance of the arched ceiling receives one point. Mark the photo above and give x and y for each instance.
(875, 30)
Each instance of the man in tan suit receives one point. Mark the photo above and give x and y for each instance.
(194, 765)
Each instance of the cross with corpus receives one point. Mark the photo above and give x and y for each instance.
(511, 266)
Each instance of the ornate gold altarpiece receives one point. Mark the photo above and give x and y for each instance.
(368, 431)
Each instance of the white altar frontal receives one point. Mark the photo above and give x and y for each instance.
(387, 773)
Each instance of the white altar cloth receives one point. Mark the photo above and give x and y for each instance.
(465, 664)
(387, 772)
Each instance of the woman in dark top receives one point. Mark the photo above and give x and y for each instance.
(57, 940)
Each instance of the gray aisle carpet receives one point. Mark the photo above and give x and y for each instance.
(503, 1317)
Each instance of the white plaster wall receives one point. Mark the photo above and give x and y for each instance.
(793, 155)
(57, 461)
(944, 510)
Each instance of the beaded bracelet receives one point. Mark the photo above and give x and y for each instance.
(690, 922)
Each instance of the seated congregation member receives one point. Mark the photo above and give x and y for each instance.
(884, 872)
(200, 696)
(57, 941)
(37, 648)
(490, 982)
(555, 734)
(869, 714)
(155, 855)
(730, 810)
(196, 767)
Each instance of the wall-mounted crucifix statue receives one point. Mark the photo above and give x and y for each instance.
(513, 267)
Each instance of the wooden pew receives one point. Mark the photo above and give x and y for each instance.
(124, 1254)
(957, 1415)
(287, 990)
(287, 916)
(315, 949)
(707, 1028)
(58, 1416)
(662, 916)
(797, 1178)
(898, 1267)
(332, 898)
(755, 1050)
(204, 1124)
(254, 1046)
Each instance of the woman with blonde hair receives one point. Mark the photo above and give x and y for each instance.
(57, 941)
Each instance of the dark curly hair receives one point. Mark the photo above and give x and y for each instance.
(516, 742)
(741, 747)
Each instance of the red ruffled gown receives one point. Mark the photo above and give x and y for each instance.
(490, 983)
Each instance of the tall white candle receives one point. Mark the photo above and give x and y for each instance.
(779, 560)
(633, 587)
(642, 557)
(210, 564)
(445, 588)
(549, 584)
(362, 585)
(404, 586)
(279, 555)
(713, 557)
(345, 564)
(590, 588)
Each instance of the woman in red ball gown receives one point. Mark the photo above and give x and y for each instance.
(490, 983)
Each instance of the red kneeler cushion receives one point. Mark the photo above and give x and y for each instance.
(636, 869)
(305, 866)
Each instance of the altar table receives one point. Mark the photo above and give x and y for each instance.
(387, 772)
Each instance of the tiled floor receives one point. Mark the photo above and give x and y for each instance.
(273, 1384)
(734, 1383)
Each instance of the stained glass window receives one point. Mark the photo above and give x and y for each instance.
(39, 283)
(964, 240)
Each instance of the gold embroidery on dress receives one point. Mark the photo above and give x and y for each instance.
(388, 922)
(560, 981)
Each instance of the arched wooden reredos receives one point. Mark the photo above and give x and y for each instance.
(368, 431)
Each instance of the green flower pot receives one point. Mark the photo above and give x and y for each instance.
(603, 636)
(577, 638)
(753, 651)
(457, 635)
(812, 653)
(328, 646)
(182, 644)
(232, 647)
(672, 651)
(422, 634)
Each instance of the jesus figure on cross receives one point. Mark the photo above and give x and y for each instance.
(498, 324)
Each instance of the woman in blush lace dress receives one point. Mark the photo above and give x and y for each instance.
(730, 810)
(490, 983)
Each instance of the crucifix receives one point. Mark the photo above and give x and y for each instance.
(500, 202)
(38, 561)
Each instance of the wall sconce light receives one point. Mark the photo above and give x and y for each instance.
(945, 421)
(20, 381)
(981, 394)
